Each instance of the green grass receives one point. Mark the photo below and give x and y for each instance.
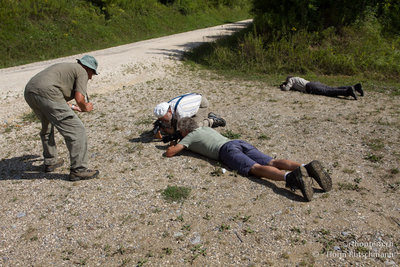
(32, 31)
(30, 117)
(359, 53)
(176, 193)
(231, 135)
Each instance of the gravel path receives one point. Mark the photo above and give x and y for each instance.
(122, 218)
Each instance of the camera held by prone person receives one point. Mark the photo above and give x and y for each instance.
(165, 132)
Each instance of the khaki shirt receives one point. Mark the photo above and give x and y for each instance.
(59, 82)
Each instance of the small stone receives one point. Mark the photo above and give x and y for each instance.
(178, 234)
(336, 248)
(196, 239)
(21, 214)
(345, 233)
(278, 212)
(390, 263)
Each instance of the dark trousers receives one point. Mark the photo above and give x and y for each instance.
(318, 88)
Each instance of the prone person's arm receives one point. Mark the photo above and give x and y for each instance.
(174, 149)
(80, 100)
(286, 86)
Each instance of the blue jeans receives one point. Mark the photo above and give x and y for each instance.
(318, 88)
(241, 156)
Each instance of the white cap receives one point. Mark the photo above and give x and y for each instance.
(161, 109)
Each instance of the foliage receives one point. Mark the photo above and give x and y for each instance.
(388, 15)
(281, 18)
(32, 30)
(359, 49)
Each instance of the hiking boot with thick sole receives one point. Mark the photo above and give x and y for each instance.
(51, 168)
(358, 88)
(298, 179)
(351, 92)
(217, 120)
(83, 175)
(316, 171)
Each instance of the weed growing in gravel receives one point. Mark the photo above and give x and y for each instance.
(247, 231)
(374, 158)
(186, 227)
(125, 262)
(197, 251)
(179, 218)
(264, 137)
(207, 217)
(376, 144)
(349, 171)
(176, 193)
(141, 262)
(244, 218)
(350, 187)
(30, 234)
(285, 255)
(167, 251)
(231, 135)
(30, 117)
(217, 172)
(224, 227)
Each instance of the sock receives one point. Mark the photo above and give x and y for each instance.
(285, 175)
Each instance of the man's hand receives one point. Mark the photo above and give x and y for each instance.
(174, 149)
(80, 100)
(74, 107)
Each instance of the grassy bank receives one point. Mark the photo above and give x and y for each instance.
(38, 30)
(358, 53)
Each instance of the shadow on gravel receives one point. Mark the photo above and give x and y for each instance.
(22, 168)
(279, 190)
(145, 137)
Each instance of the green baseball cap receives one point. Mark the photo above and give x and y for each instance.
(89, 62)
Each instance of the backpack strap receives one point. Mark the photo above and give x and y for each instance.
(179, 100)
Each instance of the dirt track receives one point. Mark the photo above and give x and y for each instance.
(122, 219)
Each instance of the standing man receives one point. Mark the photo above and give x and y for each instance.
(47, 94)
(317, 88)
(246, 159)
(190, 105)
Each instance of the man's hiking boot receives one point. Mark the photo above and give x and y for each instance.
(51, 168)
(298, 179)
(359, 89)
(352, 93)
(217, 120)
(83, 175)
(316, 171)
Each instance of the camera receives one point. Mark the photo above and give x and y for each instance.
(282, 85)
(156, 127)
(173, 137)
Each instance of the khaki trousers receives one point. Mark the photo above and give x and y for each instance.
(201, 116)
(59, 115)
